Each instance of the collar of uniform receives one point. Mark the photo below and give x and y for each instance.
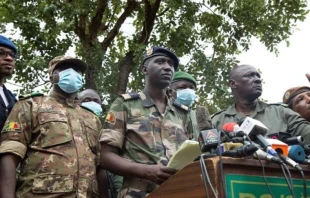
(64, 100)
(147, 101)
(260, 106)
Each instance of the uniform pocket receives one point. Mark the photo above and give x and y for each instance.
(92, 136)
(52, 184)
(54, 129)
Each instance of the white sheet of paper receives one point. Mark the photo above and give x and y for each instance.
(186, 154)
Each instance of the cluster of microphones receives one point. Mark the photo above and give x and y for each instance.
(249, 138)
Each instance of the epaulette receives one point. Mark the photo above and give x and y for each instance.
(26, 96)
(279, 104)
(180, 106)
(216, 113)
(130, 96)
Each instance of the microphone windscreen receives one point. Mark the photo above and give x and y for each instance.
(230, 127)
(227, 146)
(203, 118)
(297, 153)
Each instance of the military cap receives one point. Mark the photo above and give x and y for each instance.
(7, 43)
(292, 93)
(184, 76)
(160, 51)
(59, 61)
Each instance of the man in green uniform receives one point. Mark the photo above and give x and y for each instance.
(182, 89)
(143, 130)
(246, 86)
(54, 139)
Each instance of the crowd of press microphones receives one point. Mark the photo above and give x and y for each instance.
(249, 138)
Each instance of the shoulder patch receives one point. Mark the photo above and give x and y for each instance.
(180, 106)
(34, 94)
(110, 118)
(130, 96)
(216, 113)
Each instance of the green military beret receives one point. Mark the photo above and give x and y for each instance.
(184, 76)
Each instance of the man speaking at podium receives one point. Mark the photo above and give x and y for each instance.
(246, 86)
(143, 130)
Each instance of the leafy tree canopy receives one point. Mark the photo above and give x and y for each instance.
(112, 35)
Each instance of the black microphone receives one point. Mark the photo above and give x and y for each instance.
(245, 150)
(287, 138)
(208, 140)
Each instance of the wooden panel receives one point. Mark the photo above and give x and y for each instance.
(188, 181)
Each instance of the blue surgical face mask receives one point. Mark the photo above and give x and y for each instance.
(186, 96)
(70, 81)
(93, 106)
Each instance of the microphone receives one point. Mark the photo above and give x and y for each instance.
(232, 133)
(278, 146)
(202, 115)
(265, 156)
(296, 153)
(307, 149)
(256, 130)
(244, 150)
(290, 162)
(287, 138)
(231, 127)
(208, 140)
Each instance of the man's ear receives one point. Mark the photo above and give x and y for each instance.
(144, 69)
(51, 79)
(232, 84)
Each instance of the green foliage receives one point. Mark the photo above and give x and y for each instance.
(111, 37)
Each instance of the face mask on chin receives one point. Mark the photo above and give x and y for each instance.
(93, 106)
(70, 81)
(186, 96)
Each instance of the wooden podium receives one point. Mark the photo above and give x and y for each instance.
(188, 181)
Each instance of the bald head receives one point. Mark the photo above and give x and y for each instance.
(245, 82)
(89, 95)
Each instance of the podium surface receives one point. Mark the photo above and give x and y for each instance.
(243, 178)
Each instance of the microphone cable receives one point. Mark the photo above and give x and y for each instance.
(206, 178)
(304, 183)
(264, 175)
(288, 179)
(221, 165)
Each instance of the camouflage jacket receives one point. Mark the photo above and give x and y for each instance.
(142, 133)
(57, 141)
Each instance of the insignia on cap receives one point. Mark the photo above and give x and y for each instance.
(149, 52)
(287, 95)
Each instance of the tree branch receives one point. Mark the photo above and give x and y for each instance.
(96, 21)
(163, 12)
(131, 5)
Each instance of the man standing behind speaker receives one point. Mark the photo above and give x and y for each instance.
(246, 86)
(8, 55)
(182, 89)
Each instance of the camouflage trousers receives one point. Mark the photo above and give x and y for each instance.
(136, 188)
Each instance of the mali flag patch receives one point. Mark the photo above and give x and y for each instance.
(12, 126)
(110, 118)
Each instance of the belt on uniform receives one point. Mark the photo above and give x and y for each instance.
(140, 184)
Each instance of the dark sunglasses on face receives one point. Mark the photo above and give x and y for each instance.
(4, 54)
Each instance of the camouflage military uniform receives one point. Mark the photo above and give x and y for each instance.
(143, 135)
(275, 117)
(57, 141)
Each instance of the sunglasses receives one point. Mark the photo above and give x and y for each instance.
(4, 54)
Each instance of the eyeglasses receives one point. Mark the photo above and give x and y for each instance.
(4, 54)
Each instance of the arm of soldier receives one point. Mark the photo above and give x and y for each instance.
(8, 163)
(110, 160)
(297, 125)
(13, 147)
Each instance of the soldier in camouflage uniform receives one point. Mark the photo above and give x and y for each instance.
(145, 129)
(54, 139)
(246, 85)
